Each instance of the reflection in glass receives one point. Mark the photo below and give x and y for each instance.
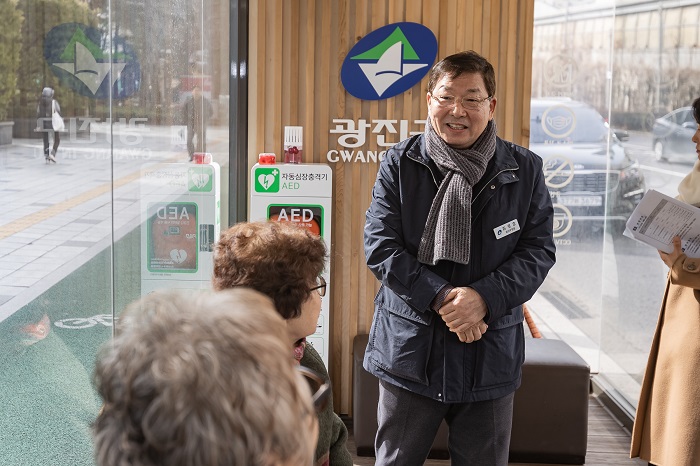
(70, 242)
(627, 72)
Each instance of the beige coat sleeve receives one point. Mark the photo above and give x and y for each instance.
(686, 272)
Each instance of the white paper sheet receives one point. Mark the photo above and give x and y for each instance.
(658, 218)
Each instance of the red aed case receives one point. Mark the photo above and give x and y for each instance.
(173, 242)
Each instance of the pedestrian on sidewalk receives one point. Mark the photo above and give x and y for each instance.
(197, 113)
(45, 111)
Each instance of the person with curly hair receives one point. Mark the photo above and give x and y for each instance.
(285, 262)
(202, 379)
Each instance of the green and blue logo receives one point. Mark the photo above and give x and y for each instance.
(389, 61)
(76, 55)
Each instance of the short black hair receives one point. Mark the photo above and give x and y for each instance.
(460, 63)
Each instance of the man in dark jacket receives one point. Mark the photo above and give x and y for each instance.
(459, 232)
(197, 113)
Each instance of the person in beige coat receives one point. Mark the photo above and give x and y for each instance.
(667, 425)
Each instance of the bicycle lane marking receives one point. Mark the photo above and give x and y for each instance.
(77, 323)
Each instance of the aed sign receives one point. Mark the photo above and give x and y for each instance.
(302, 194)
(199, 179)
(172, 237)
(172, 212)
(389, 61)
(267, 180)
(307, 216)
(290, 180)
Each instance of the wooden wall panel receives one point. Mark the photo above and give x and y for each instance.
(297, 48)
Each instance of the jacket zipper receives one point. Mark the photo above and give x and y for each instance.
(432, 175)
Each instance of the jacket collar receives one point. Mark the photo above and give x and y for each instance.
(502, 159)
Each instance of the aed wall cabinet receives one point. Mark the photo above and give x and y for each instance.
(180, 224)
(302, 194)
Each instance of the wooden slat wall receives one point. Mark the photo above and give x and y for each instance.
(297, 48)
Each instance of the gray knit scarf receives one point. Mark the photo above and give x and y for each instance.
(447, 234)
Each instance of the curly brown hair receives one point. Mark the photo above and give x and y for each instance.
(279, 259)
(203, 378)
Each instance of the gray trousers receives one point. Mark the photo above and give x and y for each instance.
(479, 432)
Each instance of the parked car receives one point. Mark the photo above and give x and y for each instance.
(671, 136)
(588, 171)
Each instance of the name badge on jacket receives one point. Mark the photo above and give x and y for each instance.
(506, 229)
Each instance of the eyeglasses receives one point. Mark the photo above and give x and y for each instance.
(320, 388)
(321, 288)
(449, 101)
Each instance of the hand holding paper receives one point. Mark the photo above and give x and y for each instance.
(670, 259)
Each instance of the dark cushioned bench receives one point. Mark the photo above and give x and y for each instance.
(550, 412)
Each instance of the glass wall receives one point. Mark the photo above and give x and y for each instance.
(611, 84)
(93, 211)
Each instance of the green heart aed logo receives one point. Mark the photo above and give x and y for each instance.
(199, 179)
(267, 180)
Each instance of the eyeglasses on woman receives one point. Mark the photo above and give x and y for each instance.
(321, 288)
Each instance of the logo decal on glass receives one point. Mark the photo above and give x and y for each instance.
(76, 56)
(558, 121)
(388, 61)
(561, 71)
(267, 180)
(563, 219)
(558, 171)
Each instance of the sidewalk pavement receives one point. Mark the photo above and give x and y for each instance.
(58, 216)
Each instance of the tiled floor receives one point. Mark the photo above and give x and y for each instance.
(608, 442)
